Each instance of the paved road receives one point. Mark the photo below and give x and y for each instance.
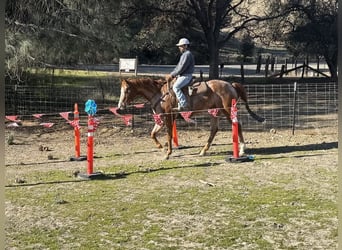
(228, 70)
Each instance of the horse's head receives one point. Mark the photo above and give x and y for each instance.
(126, 95)
(145, 87)
(160, 82)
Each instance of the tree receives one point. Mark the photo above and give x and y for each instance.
(151, 29)
(247, 47)
(51, 33)
(309, 28)
(221, 20)
(209, 24)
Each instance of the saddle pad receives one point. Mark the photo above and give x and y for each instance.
(198, 88)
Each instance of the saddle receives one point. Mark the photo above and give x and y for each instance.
(194, 88)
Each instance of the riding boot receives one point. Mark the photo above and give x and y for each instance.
(182, 108)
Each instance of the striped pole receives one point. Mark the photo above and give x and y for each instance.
(90, 108)
(90, 144)
(235, 132)
(174, 134)
(77, 132)
(235, 129)
(77, 136)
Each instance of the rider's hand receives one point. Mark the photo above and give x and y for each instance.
(168, 77)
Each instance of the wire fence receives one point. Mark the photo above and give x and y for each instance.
(287, 105)
(283, 105)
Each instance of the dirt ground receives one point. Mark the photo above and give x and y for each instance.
(306, 152)
(47, 148)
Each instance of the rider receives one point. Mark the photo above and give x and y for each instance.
(183, 71)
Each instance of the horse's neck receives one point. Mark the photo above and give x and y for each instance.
(150, 92)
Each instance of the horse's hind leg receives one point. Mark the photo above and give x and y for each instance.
(242, 145)
(213, 131)
(154, 133)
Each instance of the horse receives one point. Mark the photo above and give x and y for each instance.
(206, 95)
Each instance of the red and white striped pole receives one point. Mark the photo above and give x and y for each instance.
(77, 132)
(90, 108)
(235, 132)
(90, 145)
(77, 136)
(174, 134)
(235, 129)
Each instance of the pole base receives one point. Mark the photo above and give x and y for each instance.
(81, 158)
(240, 159)
(93, 176)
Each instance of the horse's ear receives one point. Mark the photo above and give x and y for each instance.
(160, 82)
(124, 81)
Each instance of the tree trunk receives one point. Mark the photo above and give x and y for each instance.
(213, 61)
(332, 65)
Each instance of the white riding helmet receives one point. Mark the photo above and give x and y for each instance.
(183, 41)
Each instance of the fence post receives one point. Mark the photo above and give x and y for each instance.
(282, 71)
(242, 71)
(294, 107)
(267, 65)
(317, 66)
(257, 71)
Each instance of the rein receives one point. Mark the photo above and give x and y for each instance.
(160, 99)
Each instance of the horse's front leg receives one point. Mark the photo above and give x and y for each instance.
(169, 124)
(154, 133)
(213, 131)
(169, 146)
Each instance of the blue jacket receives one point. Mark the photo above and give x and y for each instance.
(186, 64)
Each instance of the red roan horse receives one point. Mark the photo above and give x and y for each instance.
(212, 94)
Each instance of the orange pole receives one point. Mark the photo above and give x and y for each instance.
(90, 144)
(235, 129)
(174, 134)
(77, 132)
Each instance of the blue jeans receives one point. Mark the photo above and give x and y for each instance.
(181, 82)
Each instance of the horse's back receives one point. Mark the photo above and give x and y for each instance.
(222, 88)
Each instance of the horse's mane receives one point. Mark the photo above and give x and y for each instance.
(159, 83)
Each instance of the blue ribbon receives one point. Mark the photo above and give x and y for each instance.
(90, 107)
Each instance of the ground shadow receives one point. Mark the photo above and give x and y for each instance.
(290, 149)
(41, 183)
(111, 176)
(76, 179)
(51, 161)
(151, 170)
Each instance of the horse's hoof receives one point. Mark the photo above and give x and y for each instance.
(202, 153)
(166, 157)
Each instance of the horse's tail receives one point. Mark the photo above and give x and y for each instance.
(241, 91)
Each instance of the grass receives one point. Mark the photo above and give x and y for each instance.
(72, 73)
(168, 208)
